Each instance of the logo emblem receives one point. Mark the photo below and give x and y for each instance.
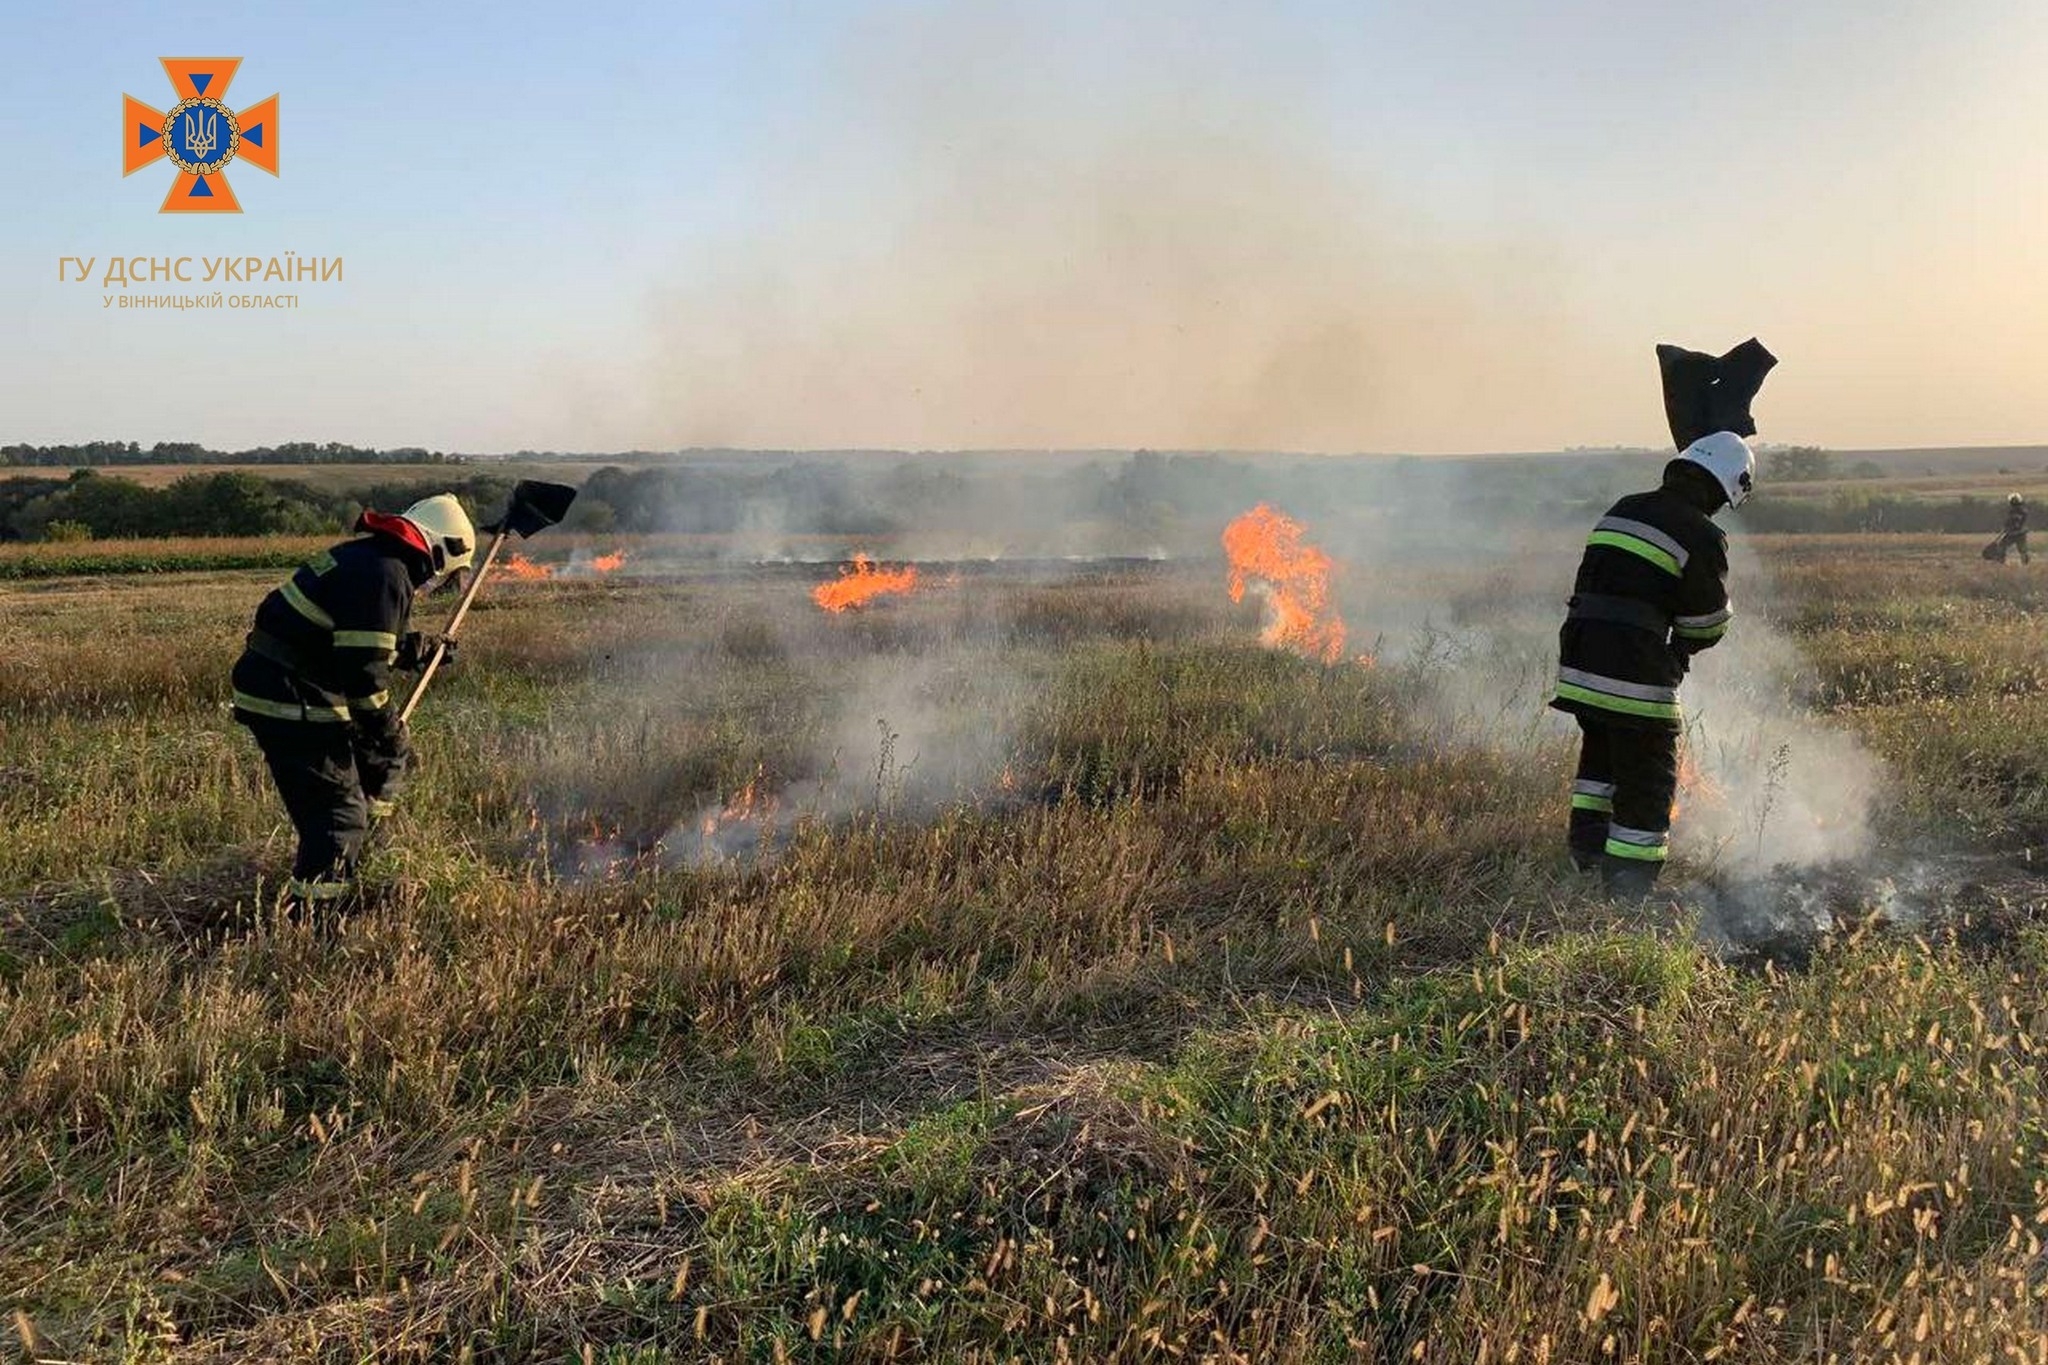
(200, 135)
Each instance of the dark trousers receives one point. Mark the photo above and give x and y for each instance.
(1621, 802)
(314, 767)
(2014, 540)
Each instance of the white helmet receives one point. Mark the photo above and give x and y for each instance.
(450, 537)
(1729, 459)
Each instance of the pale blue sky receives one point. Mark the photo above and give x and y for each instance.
(1312, 225)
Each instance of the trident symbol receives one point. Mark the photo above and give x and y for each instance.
(201, 132)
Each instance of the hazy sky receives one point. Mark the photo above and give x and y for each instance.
(1320, 226)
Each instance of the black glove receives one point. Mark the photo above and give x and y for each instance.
(416, 651)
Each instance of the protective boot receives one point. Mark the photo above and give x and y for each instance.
(1587, 840)
(1629, 879)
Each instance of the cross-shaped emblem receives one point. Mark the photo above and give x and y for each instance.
(200, 135)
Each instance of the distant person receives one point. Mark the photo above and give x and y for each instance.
(1651, 592)
(2014, 536)
(313, 683)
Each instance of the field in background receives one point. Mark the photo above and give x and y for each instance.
(778, 504)
(1029, 968)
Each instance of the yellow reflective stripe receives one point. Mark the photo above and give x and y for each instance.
(1635, 545)
(285, 710)
(1629, 706)
(317, 891)
(1642, 853)
(376, 701)
(366, 639)
(320, 563)
(1700, 632)
(1602, 804)
(306, 606)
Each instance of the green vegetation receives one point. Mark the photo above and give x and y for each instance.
(88, 506)
(1111, 989)
(109, 453)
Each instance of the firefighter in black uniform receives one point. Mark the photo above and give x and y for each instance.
(313, 683)
(2014, 537)
(1652, 592)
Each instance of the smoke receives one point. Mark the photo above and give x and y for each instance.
(1053, 227)
(909, 736)
(1771, 787)
(892, 715)
(1780, 785)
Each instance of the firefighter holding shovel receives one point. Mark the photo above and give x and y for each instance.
(314, 682)
(1651, 592)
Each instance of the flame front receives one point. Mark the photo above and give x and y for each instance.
(1266, 548)
(751, 814)
(861, 582)
(519, 566)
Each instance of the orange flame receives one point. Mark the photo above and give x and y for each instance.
(746, 807)
(607, 563)
(1266, 547)
(1694, 784)
(861, 582)
(519, 566)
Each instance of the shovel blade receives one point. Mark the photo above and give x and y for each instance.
(536, 506)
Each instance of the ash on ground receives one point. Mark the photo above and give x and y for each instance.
(1975, 900)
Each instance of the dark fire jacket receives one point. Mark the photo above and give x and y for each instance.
(1652, 590)
(324, 642)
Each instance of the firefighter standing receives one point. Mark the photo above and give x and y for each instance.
(2014, 537)
(1651, 592)
(313, 683)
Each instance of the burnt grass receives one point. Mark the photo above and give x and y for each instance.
(1065, 977)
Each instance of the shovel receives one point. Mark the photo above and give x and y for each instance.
(535, 506)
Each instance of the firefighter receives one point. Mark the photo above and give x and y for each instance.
(2014, 537)
(313, 683)
(1651, 592)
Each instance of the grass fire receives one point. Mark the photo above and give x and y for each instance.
(1044, 967)
(863, 582)
(1269, 555)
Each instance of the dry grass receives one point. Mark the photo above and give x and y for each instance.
(1122, 992)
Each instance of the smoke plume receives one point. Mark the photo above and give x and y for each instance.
(1133, 240)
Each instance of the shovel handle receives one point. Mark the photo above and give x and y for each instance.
(476, 581)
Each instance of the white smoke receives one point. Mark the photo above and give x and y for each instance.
(1780, 786)
(1774, 786)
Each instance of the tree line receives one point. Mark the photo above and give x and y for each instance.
(105, 453)
(89, 505)
(1168, 501)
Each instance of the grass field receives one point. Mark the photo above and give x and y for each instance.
(1033, 968)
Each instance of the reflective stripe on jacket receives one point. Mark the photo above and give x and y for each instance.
(322, 645)
(1651, 591)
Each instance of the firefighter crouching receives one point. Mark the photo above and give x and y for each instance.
(1651, 592)
(314, 682)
